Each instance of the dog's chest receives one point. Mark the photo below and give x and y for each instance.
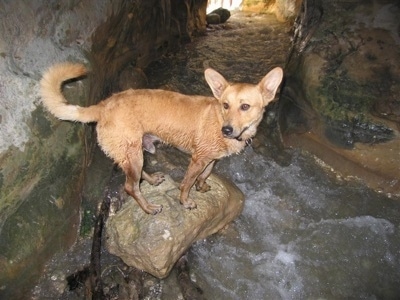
(234, 146)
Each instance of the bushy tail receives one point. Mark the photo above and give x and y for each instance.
(54, 100)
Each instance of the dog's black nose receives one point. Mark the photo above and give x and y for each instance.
(227, 130)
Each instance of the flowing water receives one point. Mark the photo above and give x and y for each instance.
(304, 232)
(302, 235)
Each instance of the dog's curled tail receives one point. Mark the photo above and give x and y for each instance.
(54, 100)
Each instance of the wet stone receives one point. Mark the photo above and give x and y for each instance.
(218, 16)
(155, 243)
(213, 19)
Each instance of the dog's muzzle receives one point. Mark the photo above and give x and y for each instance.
(228, 130)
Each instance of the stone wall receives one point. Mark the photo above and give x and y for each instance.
(42, 159)
(341, 97)
(284, 10)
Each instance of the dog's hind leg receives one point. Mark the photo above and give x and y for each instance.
(132, 167)
(201, 184)
(154, 178)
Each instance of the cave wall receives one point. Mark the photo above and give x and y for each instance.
(341, 99)
(284, 10)
(43, 160)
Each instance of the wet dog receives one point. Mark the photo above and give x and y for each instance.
(130, 121)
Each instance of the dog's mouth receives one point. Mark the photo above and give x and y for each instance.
(248, 140)
(239, 137)
(250, 137)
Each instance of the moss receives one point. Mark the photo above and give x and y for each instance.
(45, 210)
(339, 97)
(87, 222)
(98, 176)
(45, 222)
(39, 206)
(345, 133)
(345, 107)
(22, 170)
(40, 125)
(371, 57)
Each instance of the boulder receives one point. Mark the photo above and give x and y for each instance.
(340, 100)
(213, 18)
(155, 243)
(217, 16)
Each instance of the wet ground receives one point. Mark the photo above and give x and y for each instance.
(305, 233)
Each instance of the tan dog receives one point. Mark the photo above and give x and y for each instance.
(132, 120)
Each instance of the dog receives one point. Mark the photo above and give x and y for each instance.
(133, 120)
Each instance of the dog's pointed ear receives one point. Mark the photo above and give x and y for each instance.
(270, 83)
(216, 81)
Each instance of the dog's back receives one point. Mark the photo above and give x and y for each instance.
(179, 120)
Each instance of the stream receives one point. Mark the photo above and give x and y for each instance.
(305, 232)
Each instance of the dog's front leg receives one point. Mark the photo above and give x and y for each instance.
(196, 167)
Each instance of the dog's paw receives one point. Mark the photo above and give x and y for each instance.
(203, 188)
(189, 204)
(153, 209)
(156, 178)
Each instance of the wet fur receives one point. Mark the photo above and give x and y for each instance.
(128, 122)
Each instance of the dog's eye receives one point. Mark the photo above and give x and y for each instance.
(244, 107)
(226, 106)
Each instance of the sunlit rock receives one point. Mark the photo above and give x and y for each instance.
(155, 243)
(284, 10)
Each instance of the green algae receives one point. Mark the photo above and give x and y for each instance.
(40, 194)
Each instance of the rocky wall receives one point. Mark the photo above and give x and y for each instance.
(341, 96)
(284, 10)
(43, 160)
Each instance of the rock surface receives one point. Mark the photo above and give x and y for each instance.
(284, 10)
(155, 243)
(341, 96)
(43, 160)
(217, 16)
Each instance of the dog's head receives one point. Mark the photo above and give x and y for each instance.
(243, 104)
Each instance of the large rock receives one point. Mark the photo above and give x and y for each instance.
(217, 16)
(155, 243)
(341, 95)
